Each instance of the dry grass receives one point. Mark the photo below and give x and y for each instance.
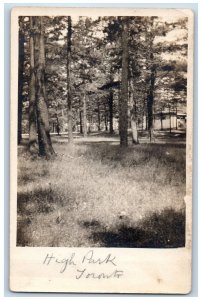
(98, 194)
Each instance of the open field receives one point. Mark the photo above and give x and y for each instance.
(96, 194)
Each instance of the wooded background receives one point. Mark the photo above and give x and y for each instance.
(113, 74)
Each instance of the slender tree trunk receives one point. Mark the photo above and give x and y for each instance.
(150, 98)
(142, 121)
(143, 116)
(81, 122)
(170, 119)
(69, 100)
(33, 144)
(146, 121)
(106, 117)
(111, 129)
(44, 140)
(161, 120)
(134, 130)
(98, 115)
(176, 116)
(90, 122)
(20, 82)
(84, 117)
(123, 103)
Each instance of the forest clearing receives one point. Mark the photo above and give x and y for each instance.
(98, 194)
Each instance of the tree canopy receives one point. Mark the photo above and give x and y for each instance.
(106, 73)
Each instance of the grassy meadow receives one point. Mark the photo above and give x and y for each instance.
(96, 194)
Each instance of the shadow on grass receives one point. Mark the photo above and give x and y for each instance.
(29, 205)
(158, 230)
(136, 155)
(23, 238)
(37, 201)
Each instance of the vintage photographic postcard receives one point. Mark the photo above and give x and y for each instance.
(101, 150)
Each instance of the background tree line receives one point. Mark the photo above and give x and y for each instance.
(93, 71)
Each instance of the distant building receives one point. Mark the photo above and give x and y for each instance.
(166, 120)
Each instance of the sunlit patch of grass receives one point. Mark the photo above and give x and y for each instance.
(95, 183)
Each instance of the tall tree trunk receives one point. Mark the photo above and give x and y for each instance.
(44, 139)
(81, 122)
(161, 120)
(106, 118)
(134, 128)
(89, 123)
(123, 103)
(98, 115)
(33, 145)
(150, 98)
(169, 120)
(84, 117)
(176, 117)
(80, 118)
(20, 81)
(111, 129)
(69, 100)
(133, 114)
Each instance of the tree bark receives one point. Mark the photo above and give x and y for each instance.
(80, 121)
(20, 81)
(161, 120)
(33, 145)
(98, 115)
(123, 103)
(134, 128)
(111, 129)
(106, 119)
(69, 100)
(150, 99)
(44, 139)
(84, 117)
(170, 119)
(176, 116)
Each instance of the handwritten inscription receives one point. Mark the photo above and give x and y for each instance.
(89, 258)
(82, 263)
(49, 259)
(85, 274)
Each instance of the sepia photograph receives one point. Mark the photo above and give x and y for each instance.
(101, 133)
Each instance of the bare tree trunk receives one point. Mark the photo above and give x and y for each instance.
(111, 129)
(69, 100)
(176, 116)
(123, 103)
(150, 99)
(20, 81)
(84, 117)
(106, 123)
(150, 95)
(170, 119)
(44, 140)
(98, 115)
(134, 129)
(80, 121)
(33, 145)
(106, 117)
(161, 120)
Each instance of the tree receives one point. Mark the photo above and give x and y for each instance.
(20, 77)
(123, 104)
(44, 139)
(33, 145)
(69, 101)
